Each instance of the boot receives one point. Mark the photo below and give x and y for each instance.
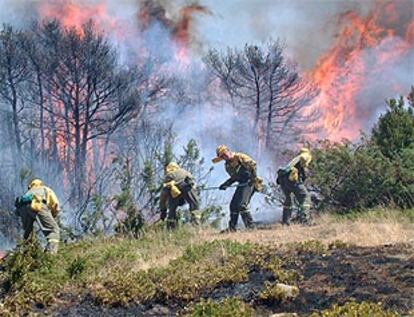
(287, 214)
(247, 219)
(234, 217)
(52, 247)
(303, 215)
(228, 230)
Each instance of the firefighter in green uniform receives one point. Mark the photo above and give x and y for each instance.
(179, 188)
(242, 169)
(40, 204)
(291, 179)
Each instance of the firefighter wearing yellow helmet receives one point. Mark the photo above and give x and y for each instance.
(40, 204)
(179, 188)
(242, 169)
(291, 179)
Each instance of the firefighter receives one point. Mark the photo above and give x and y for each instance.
(40, 204)
(242, 169)
(179, 188)
(291, 179)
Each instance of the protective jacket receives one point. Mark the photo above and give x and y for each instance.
(242, 168)
(291, 179)
(37, 196)
(177, 180)
(40, 204)
(296, 170)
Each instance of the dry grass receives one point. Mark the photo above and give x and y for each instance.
(371, 230)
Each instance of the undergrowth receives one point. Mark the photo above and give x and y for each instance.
(353, 309)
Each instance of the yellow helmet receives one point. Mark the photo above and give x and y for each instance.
(35, 183)
(219, 151)
(171, 167)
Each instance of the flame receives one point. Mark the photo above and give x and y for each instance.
(367, 48)
(74, 14)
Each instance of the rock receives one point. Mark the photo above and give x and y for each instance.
(288, 291)
(284, 315)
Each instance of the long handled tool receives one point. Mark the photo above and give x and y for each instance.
(218, 187)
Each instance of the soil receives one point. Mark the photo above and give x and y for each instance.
(378, 274)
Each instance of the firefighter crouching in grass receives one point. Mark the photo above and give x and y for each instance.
(291, 179)
(179, 188)
(242, 169)
(40, 204)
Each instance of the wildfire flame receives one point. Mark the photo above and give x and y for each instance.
(75, 14)
(367, 48)
(360, 62)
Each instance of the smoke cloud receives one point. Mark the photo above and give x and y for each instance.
(309, 29)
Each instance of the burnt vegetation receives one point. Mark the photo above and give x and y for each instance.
(74, 111)
(95, 128)
(218, 278)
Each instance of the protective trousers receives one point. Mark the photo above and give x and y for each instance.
(47, 224)
(189, 195)
(302, 196)
(240, 205)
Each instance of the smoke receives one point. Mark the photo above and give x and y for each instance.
(307, 27)
(179, 32)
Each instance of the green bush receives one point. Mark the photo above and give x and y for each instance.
(376, 171)
(26, 258)
(230, 307)
(352, 309)
(394, 131)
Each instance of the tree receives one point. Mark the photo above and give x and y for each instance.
(267, 86)
(13, 77)
(394, 131)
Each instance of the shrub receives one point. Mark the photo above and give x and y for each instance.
(230, 307)
(394, 131)
(376, 171)
(352, 309)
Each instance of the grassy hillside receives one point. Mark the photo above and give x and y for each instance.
(355, 266)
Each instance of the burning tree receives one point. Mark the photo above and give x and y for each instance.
(13, 76)
(262, 82)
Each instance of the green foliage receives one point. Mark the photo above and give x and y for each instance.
(394, 131)
(309, 247)
(77, 267)
(374, 172)
(133, 221)
(348, 176)
(27, 257)
(93, 216)
(230, 307)
(353, 309)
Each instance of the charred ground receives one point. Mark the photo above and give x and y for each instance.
(195, 272)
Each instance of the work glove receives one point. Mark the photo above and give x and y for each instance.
(223, 186)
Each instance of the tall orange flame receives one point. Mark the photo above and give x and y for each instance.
(366, 46)
(75, 13)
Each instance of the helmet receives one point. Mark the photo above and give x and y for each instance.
(35, 183)
(171, 167)
(219, 151)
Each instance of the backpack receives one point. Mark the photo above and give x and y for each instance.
(33, 201)
(281, 173)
